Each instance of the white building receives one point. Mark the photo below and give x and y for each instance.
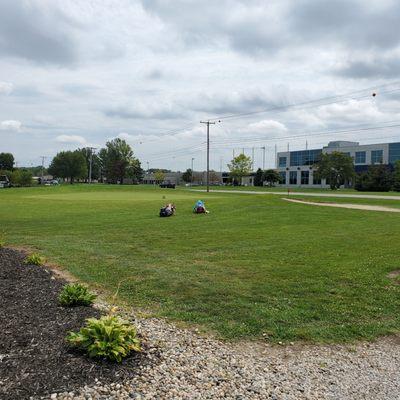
(296, 167)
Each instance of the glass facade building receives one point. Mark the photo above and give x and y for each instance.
(360, 157)
(394, 152)
(304, 157)
(376, 156)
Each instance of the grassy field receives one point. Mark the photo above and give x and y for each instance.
(256, 266)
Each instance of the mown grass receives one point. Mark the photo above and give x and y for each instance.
(256, 266)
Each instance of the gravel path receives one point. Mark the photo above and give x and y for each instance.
(346, 205)
(194, 367)
(312, 194)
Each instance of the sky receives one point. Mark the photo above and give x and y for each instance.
(289, 73)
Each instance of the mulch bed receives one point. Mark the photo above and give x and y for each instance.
(34, 357)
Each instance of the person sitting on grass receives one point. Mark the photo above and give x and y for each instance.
(200, 208)
(168, 210)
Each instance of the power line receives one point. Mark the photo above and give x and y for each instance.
(336, 99)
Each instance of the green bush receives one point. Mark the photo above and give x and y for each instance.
(34, 259)
(76, 294)
(109, 337)
(21, 177)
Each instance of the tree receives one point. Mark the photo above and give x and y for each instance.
(6, 161)
(116, 159)
(96, 164)
(336, 168)
(159, 176)
(134, 170)
(271, 176)
(21, 177)
(259, 177)
(378, 178)
(396, 176)
(239, 167)
(69, 164)
(187, 175)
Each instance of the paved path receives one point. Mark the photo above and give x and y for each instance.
(346, 205)
(312, 194)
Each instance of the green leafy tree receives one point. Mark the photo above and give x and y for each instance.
(239, 167)
(69, 164)
(6, 161)
(21, 177)
(271, 176)
(259, 177)
(134, 170)
(187, 175)
(117, 160)
(159, 176)
(336, 167)
(96, 164)
(378, 178)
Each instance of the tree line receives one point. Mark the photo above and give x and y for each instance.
(113, 163)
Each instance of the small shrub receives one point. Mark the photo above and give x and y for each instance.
(76, 294)
(34, 259)
(110, 337)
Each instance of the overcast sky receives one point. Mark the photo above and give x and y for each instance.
(77, 73)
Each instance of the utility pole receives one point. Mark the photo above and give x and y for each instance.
(208, 151)
(263, 164)
(252, 158)
(276, 153)
(90, 163)
(191, 178)
(43, 158)
(148, 168)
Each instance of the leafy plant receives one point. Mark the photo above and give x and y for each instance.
(110, 337)
(76, 294)
(34, 259)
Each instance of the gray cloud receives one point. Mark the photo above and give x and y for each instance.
(384, 67)
(35, 33)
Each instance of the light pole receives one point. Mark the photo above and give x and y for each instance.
(191, 178)
(90, 163)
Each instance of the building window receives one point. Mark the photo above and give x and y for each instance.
(293, 178)
(316, 180)
(282, 161)
(360, 157)
(376, 156)
(283, 178)
(305, 177)
(304, 157)
(394, 152)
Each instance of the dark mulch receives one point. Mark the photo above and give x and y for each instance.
(34, 358)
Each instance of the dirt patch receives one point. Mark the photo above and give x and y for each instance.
(34, 358)
(395, 275)
(346, 205)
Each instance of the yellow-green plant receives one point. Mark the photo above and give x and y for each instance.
(76, 294)
(108, 337)
(34, 259)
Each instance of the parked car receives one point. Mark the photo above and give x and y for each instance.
(4, 181)
(168, 185)
(51, 182)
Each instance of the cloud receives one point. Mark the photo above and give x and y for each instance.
(6, 88)
(11, 125)
(267, 125)
(371, 67)
(145, 110)
(36, 31)
(73, 139)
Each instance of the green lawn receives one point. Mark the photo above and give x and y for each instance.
(255, 265)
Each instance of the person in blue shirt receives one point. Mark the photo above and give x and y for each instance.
(200, 208)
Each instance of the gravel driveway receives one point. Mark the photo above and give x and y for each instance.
(194, 367)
